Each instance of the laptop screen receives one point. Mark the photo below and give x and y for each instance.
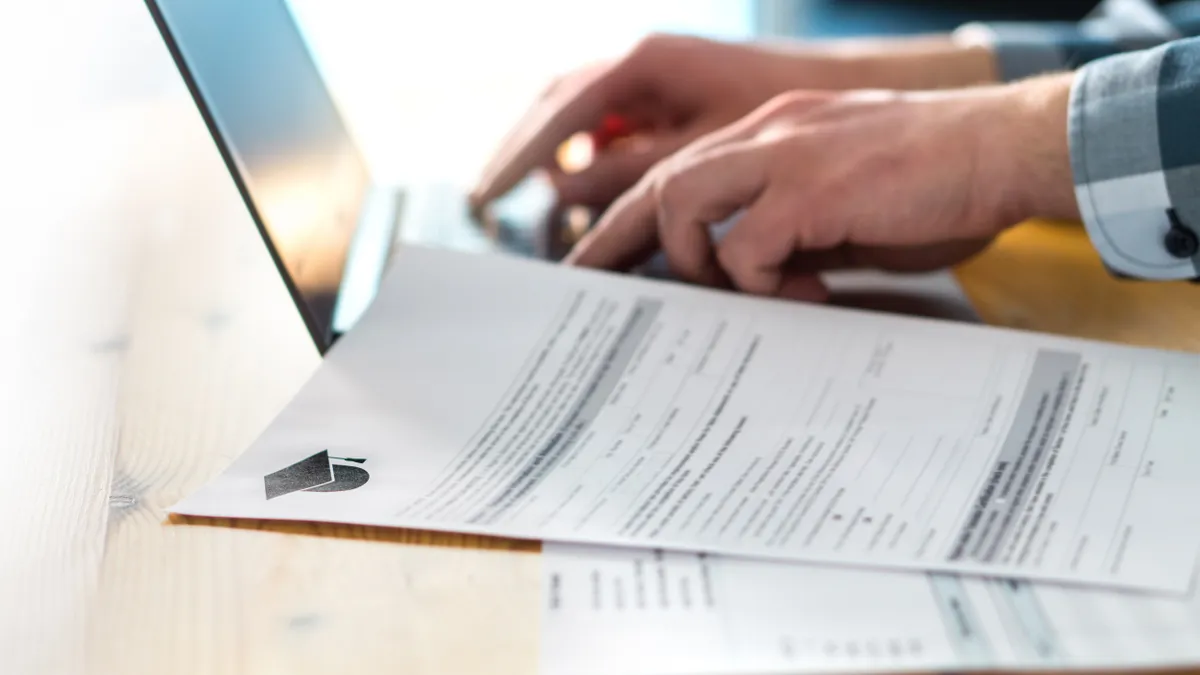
(279, 130)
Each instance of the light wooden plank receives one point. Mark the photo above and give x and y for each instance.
(216, 350)
(63, 268)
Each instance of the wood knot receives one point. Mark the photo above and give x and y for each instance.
(301, 622)
(122, 502)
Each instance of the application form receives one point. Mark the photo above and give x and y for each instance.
(617, 611)
(518, 398)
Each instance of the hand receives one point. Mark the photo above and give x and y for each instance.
(864, 179)
(671, 90)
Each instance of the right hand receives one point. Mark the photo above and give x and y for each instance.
(901, 181)
(671, 89)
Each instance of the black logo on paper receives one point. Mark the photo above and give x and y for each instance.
(316, 474)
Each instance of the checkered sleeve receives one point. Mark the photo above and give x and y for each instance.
(1024, 49)
(1135, 153)
(1185, 16)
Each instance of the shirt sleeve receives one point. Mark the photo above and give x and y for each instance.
(1024, 49)
(1185, 16)
(1135, 155)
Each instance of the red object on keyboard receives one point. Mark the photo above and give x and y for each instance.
(611, 128)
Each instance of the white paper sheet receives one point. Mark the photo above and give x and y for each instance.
(610, 611)
(509, 397)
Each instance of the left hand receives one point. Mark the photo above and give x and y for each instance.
(898, 181)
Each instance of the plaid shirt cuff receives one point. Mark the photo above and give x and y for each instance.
(1026, 49)
(1135, 154)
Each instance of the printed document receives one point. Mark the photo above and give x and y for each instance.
(492, 395)
(611, 611)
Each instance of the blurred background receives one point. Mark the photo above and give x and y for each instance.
(479, 63)
(396, 66)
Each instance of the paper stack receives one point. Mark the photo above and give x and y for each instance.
(745, 485)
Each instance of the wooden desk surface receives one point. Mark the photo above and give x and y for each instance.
(148, 339)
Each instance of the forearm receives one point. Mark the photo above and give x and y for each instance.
(1113, 145)
(902, 63)
(912, 63)
(1030, 140)
(980, 53)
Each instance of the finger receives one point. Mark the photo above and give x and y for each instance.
(512, 139)
(578, 151)
(754, 252)
(726, 178)
(576, 104)
(695, 192)
(624, 237)
(586, 70)
(612, 173)
(802, 286)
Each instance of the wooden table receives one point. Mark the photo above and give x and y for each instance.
(148, 339)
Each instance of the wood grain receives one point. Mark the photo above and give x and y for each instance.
(216, 350)
(1047, 277)
(148, 340)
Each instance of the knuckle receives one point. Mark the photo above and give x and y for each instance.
(787, 101)
(686, 263)
(777, 137)
(812, 234)
(805, 233)
(648, 47)
(551, 85)
(734, 259)
(794, 103)
(661, 50)
(646, 62)
(747, 249)
(742, 261)
(671, 192)
(655, 43)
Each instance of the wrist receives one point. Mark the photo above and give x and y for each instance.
(1029, 140)
(925, 63)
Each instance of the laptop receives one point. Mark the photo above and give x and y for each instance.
(329, 227)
